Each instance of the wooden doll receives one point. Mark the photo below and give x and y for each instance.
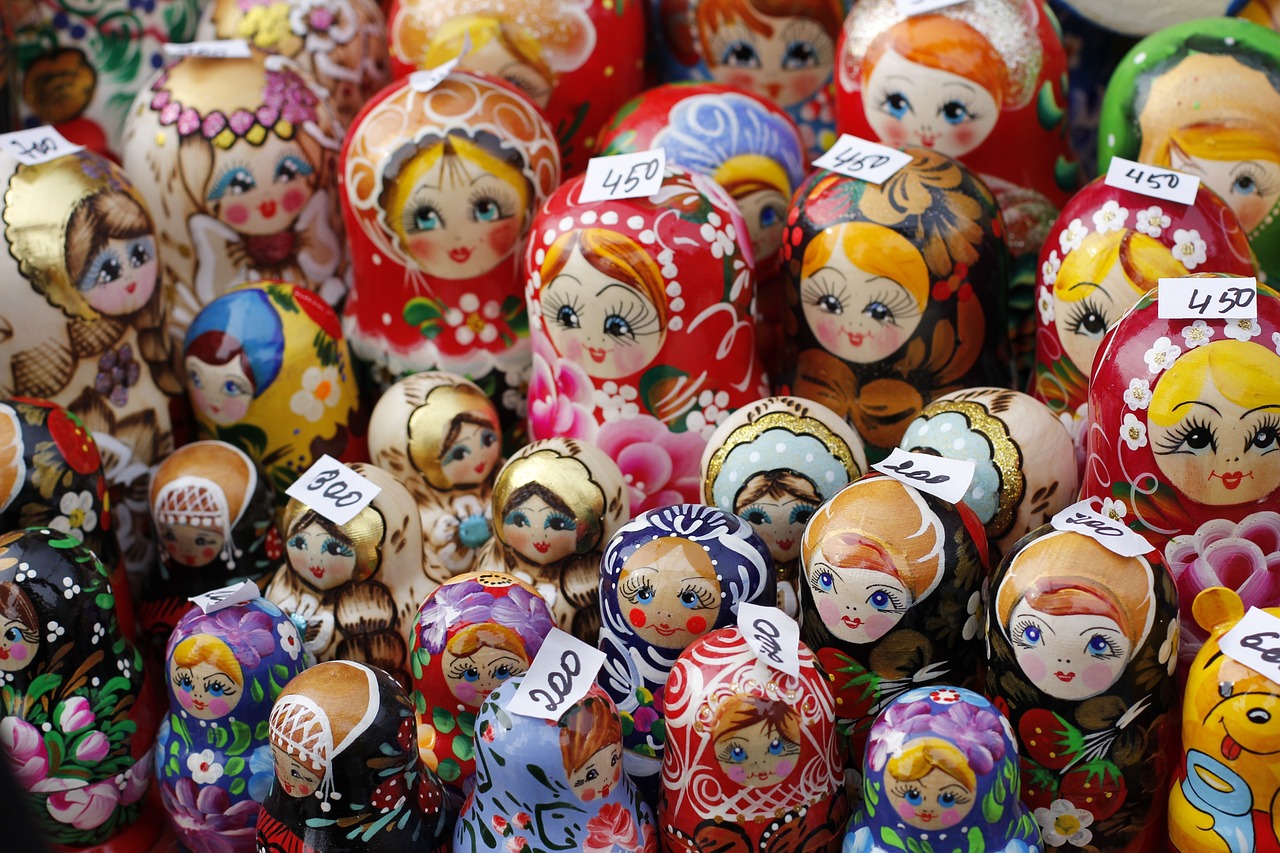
(751, 762)
(77, 713)
(773, 464)
(267, 370)
(544, 785)
(357, 586)
(556, 504)
(440, 191)
(347, 772)
(667, 578)
(892, 303)
(1083, 646)
(213, 758)
(439, 435)
(643, 336)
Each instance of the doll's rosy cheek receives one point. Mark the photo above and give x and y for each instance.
(696, 624)
(829, 611)
(1033, 667)
(294, 199)
(236, 214)
(637, 617)
(1096, 676)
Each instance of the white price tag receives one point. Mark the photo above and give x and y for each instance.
(36, 145)
(862, 159)
(1208, 299)
(229, 596)
(919, 7)
(772, 635)
(561, 674)
(223, 49)
(1255, 642)
(429, 78)
(635, 175)
(941, 477)
(333, 490)
(1114, 536)
(1154, 181)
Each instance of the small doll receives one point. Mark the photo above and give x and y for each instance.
(347, 772)
(474, 633)
(751, 762)
(547, 785)
(555, 504)
(213, 759)
(941, 769)
(1083, 647)
(667, 578)
(773, 464)
(356, 586)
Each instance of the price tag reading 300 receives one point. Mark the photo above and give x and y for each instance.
(333, 490)
(1154, 181)
(637, 175)
(862, 159)
(1208, 299)
(36, 145)
(560, 675)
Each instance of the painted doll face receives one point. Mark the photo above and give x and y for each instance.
(668, 592)
(121, 278)
(258, 191)
(494, 58)
(1095, 305)
(220, 392)
(907, 103)
(1070, 656)
(297, 779)
(471, 456)
(764, 211)
(936, 800)
(787, 67)
(203, 690)
(599, 775)
(610, 328)
(16, 651)
(321, 559)
(756, 756)
(1251, 187)
(859, 605)
(779, 522)
(475, 676)
(540, 533)
(191, 545)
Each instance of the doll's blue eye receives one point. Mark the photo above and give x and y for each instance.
(946, 800)
(502, 673)
(516, 518)
(560, 521)
(954, 112)
(896, 104)
(768, 217)
(425, 218)
(458, 453)
(737, 755)
(914, 797)
(486, 210)
(1031, 634)
(880, 600)
(336, 548)
(298, 543)
(1244, 185)
(235, 181)
(471, 674)
(775, 747)
(644, 595)
(215, 688)
(290, 167)
(825, 581)
(13, 635)
(801, 514)
(618, 327)
(755, 515)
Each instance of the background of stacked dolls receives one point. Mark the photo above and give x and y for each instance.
(313, 247)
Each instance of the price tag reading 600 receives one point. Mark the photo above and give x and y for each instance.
(334, 490)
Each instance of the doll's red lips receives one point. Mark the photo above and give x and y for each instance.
(664, 630)
(854, 338)
(1231, 479)
(198, 705)
(267, 209)
(543, 547)
(4, 654)
(480, 468)
(460, 255)
(1065, 676)
(131, 287)
(852, 623)
(597, 354)
(317, 571)
(785, 544)
(925, 816)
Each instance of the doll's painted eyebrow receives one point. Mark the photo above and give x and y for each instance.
(961, 84)
(1209, 406)
(613, 284)
(1092, 284)
(1260, 408)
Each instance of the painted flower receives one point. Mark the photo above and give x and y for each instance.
(1153, 221)
(78, 516)
(1188, 249)
(1241, 330)
(262, 768)
(474, 322)
(204, 770)
(973, 624)
(23, 745)
(1197, 334)
(1114, 509)
(1275, 341)
(713, 410)
(70, 588)
(660, 467)
(616, 402)
(526, 614)
(1133, 431)
(86, 807)
(1049, 269)
(205, 818)
(1138, 396)
(117, 372)
(92, 748)
(613, 825)
(560, 400)
(55, 631)
(249, 632)
(1169, 648)
(456, 604)
(1110, 217)
(1072, 236)
(1063, 823)
(321, 389)
(862, 841)
(517, 844)
(75, 715)
(1045, 304)
(267, 26)
(720, 239)
(290, 642)
(1161, 355)
(134, 782)
(499, 824)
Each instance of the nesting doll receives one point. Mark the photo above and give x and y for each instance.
(348, 775)
(84, 319)
(1083, 648)
(643, 336)
(890, 596)
(1108, 248)
(897, 293)
(267, 370)
(667, 578)
(745, 143)
(546, 785)
(1209, 98)
(941, 769)
(77, 67)
(214, 517)
(1024, 461)
(578, 60)
(1184, 415)
(340, 43)
(238, 160)
(357, 586)
(751, 762)
(556, 504)
(213, 758)
(474, 633)
(439, 435)
(77, 715)
(773, 464)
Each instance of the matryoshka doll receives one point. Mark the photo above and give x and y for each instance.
(1083, 647)
(751, 762)
(238, 160)
(439, 189)
(556, 504)
(1108, 248)
(1209, 96)
(340, 43)
(439, 435)
(84, 320)
(1185, 419)
(77, 714)
(348, 775)
(267, 370)
(214, 517)
(566, 772)
(1024, 461)
(668, 577)
(474, 633)
(941, 769)
(773, 464)
(640, 311)
(213, 759)
(897, 293)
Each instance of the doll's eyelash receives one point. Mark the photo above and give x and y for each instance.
(1176, 440)
(898, 303)
(503, 201)
(728, 36)
(639, 319)
(1269, 430)
(705, 598)
(1020, 631)
(553, 303)
(810, 31)
(632, 587)
(812, 290)
(1081, 312)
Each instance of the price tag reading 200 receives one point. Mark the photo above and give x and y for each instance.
(333, 490)
(772, 635)
(1081, 518)
(637, 175)
(560, 675)
(941, 477)
(1154, 181)
(862, 159)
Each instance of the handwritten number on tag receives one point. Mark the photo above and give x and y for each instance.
(1155, 180)
(340, 493)
(1096, 525)
(924, 475)
(1269, 653)
(38, 147)
(1233, 300)
(623, 183)
(856, 161)
(767, 634)
(559, 681)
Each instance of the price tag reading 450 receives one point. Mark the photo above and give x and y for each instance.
(941, 477)
(1114, 536)
(333, 490)
(1255, 642)
(862, 159)
(637, 175)
(1154, 181)
(36, 145)
(561, 674)
(1208, 299)
(772, 635)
